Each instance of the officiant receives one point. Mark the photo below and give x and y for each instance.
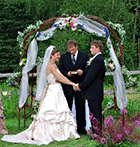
(73, 65)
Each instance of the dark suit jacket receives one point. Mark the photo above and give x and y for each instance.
(92, 85)
(66, 65)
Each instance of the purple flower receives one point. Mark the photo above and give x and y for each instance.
(111, 118)
(120, 120)
(124, 111)
(127, 131)
(137, 122)
(97, 129)
(118, 137)
(103, 140)
(90, 115)
(108, 120)
(94, 136)
(94, 121)
(65, 22)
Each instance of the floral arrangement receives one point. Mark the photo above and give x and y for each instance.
(119, 28)
(70, 23)
(21, 35)
(116, 131)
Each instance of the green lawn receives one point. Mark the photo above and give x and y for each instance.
(12, 126)
(10, 103)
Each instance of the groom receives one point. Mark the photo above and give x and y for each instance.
(92, 85)
(72, 64)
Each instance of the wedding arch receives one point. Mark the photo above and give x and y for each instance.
(90, 24)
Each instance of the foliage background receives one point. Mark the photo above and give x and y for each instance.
(16, 15)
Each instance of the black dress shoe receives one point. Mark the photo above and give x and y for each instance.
(82, 132)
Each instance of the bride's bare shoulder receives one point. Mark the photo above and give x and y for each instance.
(50, 66)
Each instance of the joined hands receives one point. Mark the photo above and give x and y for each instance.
(76, 87)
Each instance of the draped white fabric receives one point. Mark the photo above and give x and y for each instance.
(31, 59)
(42, 81)
(118, 79)
(44, 35)
(88, 123)
(89, 26)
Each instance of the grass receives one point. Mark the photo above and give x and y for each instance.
(10, 103)
(12, 126)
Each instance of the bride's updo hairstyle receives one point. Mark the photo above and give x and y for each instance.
(55, 50)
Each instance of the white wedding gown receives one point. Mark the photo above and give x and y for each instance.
(53, 122)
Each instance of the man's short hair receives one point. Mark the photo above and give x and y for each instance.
(71, 43)
(97, 43)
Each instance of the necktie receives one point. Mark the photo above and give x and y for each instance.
(73, 59)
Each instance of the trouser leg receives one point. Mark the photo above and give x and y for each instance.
(70, 101)
(80, 115)
(96, 109)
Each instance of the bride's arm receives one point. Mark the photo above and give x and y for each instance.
(59, 76)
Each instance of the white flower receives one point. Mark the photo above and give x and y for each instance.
(4, 93)
(61, 27)
(74, 28)
(33, 116)
(21, 63)
(38, 23)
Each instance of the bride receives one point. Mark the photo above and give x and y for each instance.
(54, 120)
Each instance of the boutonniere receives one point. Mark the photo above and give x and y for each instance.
(89, 61)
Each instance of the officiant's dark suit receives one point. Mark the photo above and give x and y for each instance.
(92, 85)
(66, 65)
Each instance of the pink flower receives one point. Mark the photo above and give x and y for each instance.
(120, 120)
(103, 140)
(127, 131)
(118, 137)
(137, 122)
(124, 111)
(94, 121)
(108, 120)
(71, 24)
(94, 136)
(65, 21)
(96, 129)
(90, 115)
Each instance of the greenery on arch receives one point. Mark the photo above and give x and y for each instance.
(83, 38)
